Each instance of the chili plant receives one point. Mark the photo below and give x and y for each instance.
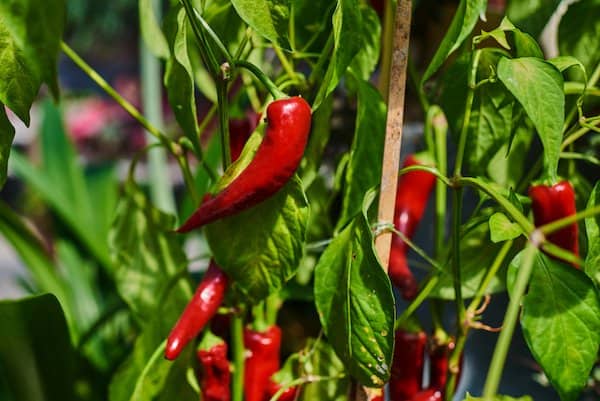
(289, 118)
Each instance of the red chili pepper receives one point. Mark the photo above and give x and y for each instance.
(215, 375)
(439, 355)
(201, 308)
(427, 395)
(240, 130)
(275, 161)
(407, 365)
(550, 203)
(412, 194)
(262, 361)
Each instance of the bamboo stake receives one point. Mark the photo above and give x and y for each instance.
(393, 135)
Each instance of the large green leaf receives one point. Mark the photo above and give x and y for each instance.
(7, 133)
(150, 29)
(498, 397)
(579, 33)
(355, 302)
(532, 15)
(312, 22)
(462, 24)
(364, 169)
(538, 86)
(561, 323)
(36, 354)
(179, 75)
(592, 229)
(260, 248)
(269, 18)
(147, 256)
(347, 42)
(366, 60)
(30, 34)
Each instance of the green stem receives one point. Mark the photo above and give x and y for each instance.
(512, 211)
(285, 63)
(128, 107)
(510, 320)
(266, 81)
(213, 36)
(324, 58)
(224, 123)
(430, 284)
(567, 221)
(237, 337)
(441, 161)
(208, 57)
(415, 81)
(161, 192)
(385, 61)
(590, 84)
(575, 136)
(429, 169)
(457, 276)
(418, 250)
(460, 152)
(578, 156)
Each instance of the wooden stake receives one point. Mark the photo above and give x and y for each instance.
(393, 134)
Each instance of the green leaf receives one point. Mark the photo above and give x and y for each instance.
(347, 42)
(179, 75)
(533, 15)
(498, 397)
(538, 86)
(563, 63)
(261, 248)
(150, 30)
(147, 256)
(364, 169)
(502, 229)
(30, 34)
(146, 375)
(592, 229)
(522, 43)
(477, 254)
(463, 22)
(269, 18)
(36, 354)
(579, 33)
(312, 22)
(323, 362)
(355, 302)
(366, 60)
(561, 323)
(7, 133)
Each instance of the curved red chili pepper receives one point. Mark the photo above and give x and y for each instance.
(275, 161)
(262, 361)
(215, 375)
(407, 365)
(439, 355)
(412, 195)
(201, 308)
(550, 203)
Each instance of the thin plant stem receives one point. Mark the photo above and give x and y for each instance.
(237, 336)
(456, 272)
(511, 316)
(224, 123)
(426, 289)
(567, 221)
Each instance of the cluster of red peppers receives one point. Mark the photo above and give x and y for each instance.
(410, 349)
(274, 163)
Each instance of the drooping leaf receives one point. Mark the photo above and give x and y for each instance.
(347, 41)
(30, 34)
(269, 18)
(150, 30)
(7, 133)
(364, 168)
(463, 22)
(354, 299)
(538, 86)
(36, 354)
(260, 248)
(531, 16)
(147, 257)
(579, 33)
(592, 229)
(561, 323)
(179, 75)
